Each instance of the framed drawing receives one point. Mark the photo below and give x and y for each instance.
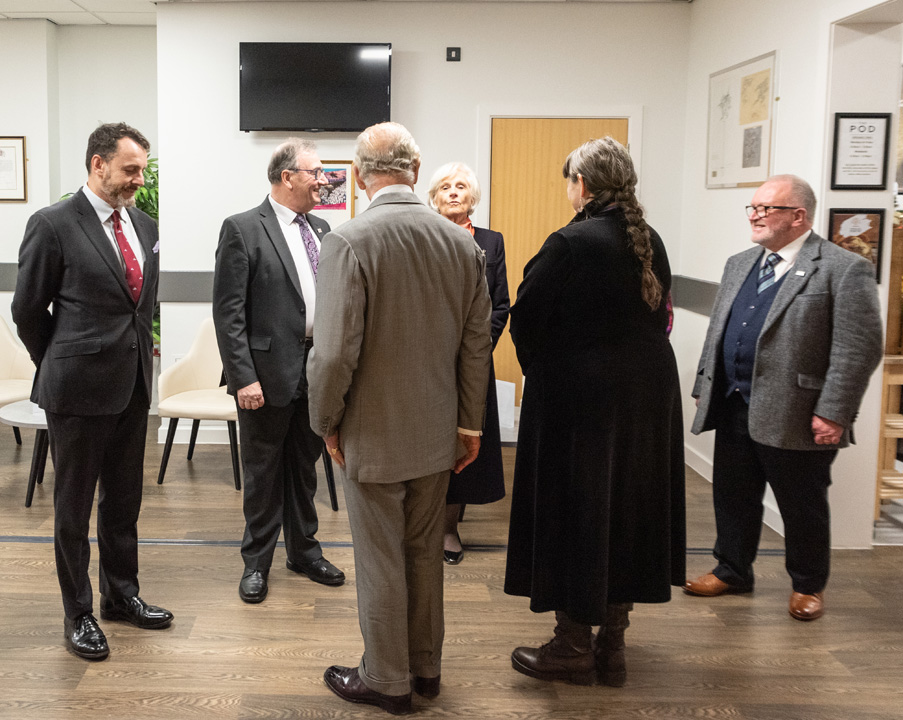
(861, 142)
(859, 231)
(337, 197)
(741, 112)
(12, 169)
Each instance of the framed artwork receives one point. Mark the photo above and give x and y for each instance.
(741, 113)
(12, 169)
(859, 231)
(861, 142)
(337, 197)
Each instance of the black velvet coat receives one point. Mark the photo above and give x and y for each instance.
(598, 503)
(483, 481)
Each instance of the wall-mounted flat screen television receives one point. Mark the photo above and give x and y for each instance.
(315, 87)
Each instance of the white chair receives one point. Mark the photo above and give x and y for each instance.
(191, 389)
(16, 371)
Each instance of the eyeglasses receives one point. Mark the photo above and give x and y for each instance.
(315, 173)
(762, 210)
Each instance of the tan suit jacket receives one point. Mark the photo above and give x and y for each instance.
(401, 340)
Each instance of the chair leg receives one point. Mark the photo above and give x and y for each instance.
(194, 436)
(167, 448)
(38, 460)
(330, 479)
(233, 447)
(18, 435)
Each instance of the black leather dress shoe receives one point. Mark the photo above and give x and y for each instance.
(426, 687)
(451, 557)
(347, 684)
(321, 571)
(85, 638)
(134, 610)
(253, 586)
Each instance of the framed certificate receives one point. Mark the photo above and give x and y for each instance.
(860, 151)
(12, 169)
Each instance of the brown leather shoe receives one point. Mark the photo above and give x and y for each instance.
(426, 687)
(807, 607)
(710, 586)
(554, 661)
(347, 684)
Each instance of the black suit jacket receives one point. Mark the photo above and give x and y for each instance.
(92, 346)
(493, 245)
(258, 308)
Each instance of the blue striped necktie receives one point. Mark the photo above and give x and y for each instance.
(766, 274)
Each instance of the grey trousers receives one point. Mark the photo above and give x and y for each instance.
(397, 531)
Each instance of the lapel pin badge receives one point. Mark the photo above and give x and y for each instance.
(800, 272)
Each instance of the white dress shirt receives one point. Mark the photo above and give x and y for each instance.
(788, 255)
(292, 233)
(105, 214)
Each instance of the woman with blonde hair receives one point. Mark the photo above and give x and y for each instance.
(597, 516)
(454, 193)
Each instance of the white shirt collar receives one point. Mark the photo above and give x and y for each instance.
(285, 215)
(789, 252)
(392, 189)
(103, 209)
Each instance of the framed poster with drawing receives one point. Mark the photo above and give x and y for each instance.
(861, 142)
(741, 111)
(12, 169)
(860, 231)
(337, 196)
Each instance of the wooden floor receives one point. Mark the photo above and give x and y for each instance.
(736, 657)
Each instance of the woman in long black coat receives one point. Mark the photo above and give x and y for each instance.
(597, 517)
(454, 193)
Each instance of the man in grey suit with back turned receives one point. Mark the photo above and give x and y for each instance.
(398, 380)
(264, 294)
(83, 306)
(793, 339)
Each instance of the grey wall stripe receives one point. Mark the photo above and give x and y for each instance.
(688, 293)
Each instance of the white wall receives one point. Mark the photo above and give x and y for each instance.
(57, 85)
(27, 81)
(813, 82)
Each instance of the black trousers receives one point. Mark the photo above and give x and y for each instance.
(799, 480)
(279, 452)
(85, 449)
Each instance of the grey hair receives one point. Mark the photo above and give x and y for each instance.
(447, 171)
(610, 177)
(285, 157)
(801, 192)
(386, 149)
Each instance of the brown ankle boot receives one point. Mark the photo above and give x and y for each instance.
(568, 656)
(608, 645)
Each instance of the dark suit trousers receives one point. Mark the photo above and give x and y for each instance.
(84, 449)
(799, 480)
(279, 453)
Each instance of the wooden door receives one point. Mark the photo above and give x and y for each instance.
(527, 195)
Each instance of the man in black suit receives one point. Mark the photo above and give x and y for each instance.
(93, 257)
(264, 295)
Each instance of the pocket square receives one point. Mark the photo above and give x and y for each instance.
(156, 248)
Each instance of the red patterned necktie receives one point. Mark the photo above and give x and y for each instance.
(133, 275)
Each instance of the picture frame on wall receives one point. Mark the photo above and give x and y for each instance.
(740, 123)
(859, 230)
(338, 196)
(860, 157)
(13, 187)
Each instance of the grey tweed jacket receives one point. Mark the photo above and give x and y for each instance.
(820, 343)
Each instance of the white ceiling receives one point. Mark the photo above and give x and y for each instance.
(144, 12)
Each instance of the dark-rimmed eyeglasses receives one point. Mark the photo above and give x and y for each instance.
(315, 173)
(762, 210)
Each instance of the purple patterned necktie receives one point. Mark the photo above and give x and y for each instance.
(309, 244)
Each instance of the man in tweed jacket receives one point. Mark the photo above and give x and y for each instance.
(794, 337)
